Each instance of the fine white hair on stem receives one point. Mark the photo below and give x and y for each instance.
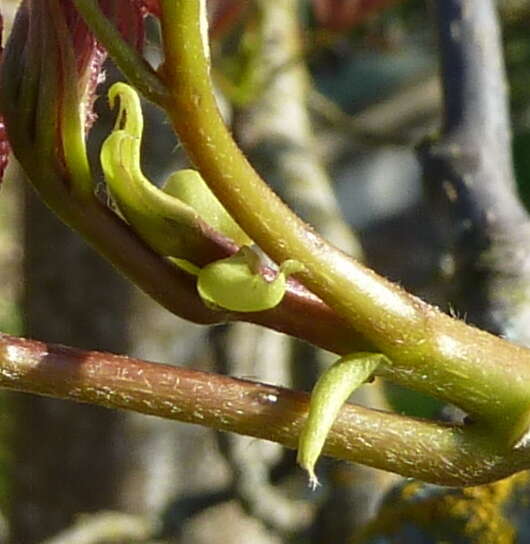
(204, 28)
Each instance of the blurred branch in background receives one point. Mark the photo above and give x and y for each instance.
(275, 128)
(484, 232)
(396, 120)
(469, 178)
(106, 528)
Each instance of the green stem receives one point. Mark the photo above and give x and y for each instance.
(134, 66)
(194, 112)
(484, 375)
(429, 451)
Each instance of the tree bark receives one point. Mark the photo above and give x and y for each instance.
(68, 455)
(484, 228)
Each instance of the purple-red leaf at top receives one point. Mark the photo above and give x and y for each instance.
(127, 16)
(340, 15)
(337, 15)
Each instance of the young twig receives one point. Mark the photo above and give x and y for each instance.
(430, 451)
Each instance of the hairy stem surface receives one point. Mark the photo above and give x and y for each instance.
(429, 451)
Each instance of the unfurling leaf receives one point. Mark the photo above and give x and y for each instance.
(166, 219)
(157, 217)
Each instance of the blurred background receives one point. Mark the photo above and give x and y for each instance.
(329, 99)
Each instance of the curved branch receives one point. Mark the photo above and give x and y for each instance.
(481, 374)
(435, 452)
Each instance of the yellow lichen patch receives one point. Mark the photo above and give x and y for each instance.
(410, 490)
(474, 514)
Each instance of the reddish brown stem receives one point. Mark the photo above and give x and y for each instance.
(439, 453)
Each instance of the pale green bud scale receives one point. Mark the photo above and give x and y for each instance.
(331, 391)
(235, 283)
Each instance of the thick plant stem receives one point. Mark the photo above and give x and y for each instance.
(278, 231)
(429, 451)
(430, 351)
